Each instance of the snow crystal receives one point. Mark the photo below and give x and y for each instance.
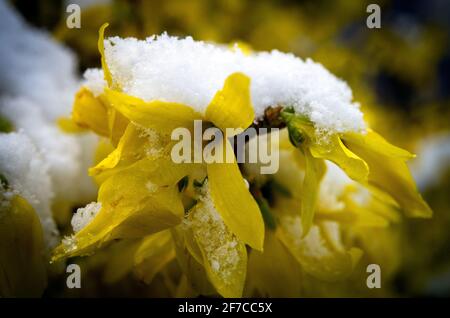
(37, 86)
(94, 81)
(332, 187)
(155, 141)
(219, 244)
(292, 225)
(62, 152)
(313, 244)
(85, 215)
(34, 65)
(190, 72)
(433, 160)
(70, 243)
(151, 187)
(27, 174)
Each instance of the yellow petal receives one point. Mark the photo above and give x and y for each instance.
(158, 115)
(224, 256)
(232, 199)
(158, 213)
(127, 148)
(68, 126)
(317, 252)
(101, 49)
(388, 171)
(120, 260)
(22, 264)
(274, 272)
(375, 211)
(104, 148)
(90, 113)
(372, 140)
(136, 201)
(191, 244)
(335, 151)
(231, 107)
(117, 124)
(384, 205)
(315, 169)
(354, 215)
(154, 252)
(190, 266)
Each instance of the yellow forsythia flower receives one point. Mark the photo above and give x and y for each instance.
(225, 231)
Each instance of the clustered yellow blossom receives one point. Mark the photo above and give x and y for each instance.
(232, 231)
